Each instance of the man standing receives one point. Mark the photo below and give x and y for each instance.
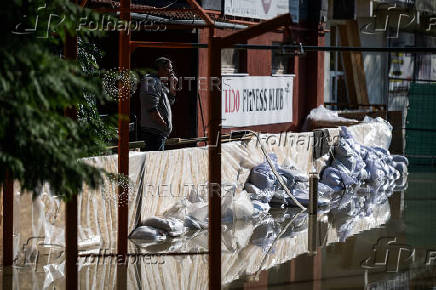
(157, 94)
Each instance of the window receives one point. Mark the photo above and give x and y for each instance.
(280, 61)
(230, 61)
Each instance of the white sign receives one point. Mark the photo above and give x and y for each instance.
(250, 101)
(259, 9)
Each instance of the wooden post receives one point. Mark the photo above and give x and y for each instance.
(313, 193)
(315, 76)
(123, 147)
(71, 277)
(353, 64)
(320, 41)
(317, 270)
(214, 132)
(194, 5)
(8, 220)
(312, 236)
(8, 231)
(123, 131)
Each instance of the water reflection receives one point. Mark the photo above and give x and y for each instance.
(366, 204)
(282, 238)
(252, 246)
(373, 226)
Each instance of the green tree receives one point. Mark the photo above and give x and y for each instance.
(89, 56)
(37, 143)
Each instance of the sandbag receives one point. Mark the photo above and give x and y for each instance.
(354, 164)
(400, 159)
(243, 208)
(302, 196)
(383, 133)
(262, 175)
(265, 233)
(172, 226)
(324, 190)
(259, 207)
(148, 233)
(258, 194)
(194, 224)
(293, 174)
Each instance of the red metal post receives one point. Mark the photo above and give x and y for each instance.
(214, 132)
(317, 270)
(123, 147)
(154, 44)
(71, 276)
(200, 10)
(320, 68)
(315, 75)
(123, 131)
(70, 52)
(256, 30)
(8, 220)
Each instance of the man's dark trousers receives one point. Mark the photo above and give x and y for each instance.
(153, 141)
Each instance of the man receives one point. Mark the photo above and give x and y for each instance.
(157, 94)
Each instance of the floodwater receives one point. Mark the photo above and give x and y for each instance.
(368, 241)
(400, 254)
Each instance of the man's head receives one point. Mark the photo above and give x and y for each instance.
(163, 67)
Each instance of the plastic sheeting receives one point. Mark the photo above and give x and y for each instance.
(163, 179)
(354, 163)
(263, 185)
(248, 247)
(157, 182)
(375, 132)
(321, 117)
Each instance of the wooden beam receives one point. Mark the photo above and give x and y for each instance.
(123, 131)
(124, 54)
(203, 14)
(358, 67)
(71, 277)
(8, 220)
(317, 270)
(242, 22)
(83, 3)
(214, 132)
(353, 64)
(256, 30)
(318, 74)
(348, 66)
(136, 44)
